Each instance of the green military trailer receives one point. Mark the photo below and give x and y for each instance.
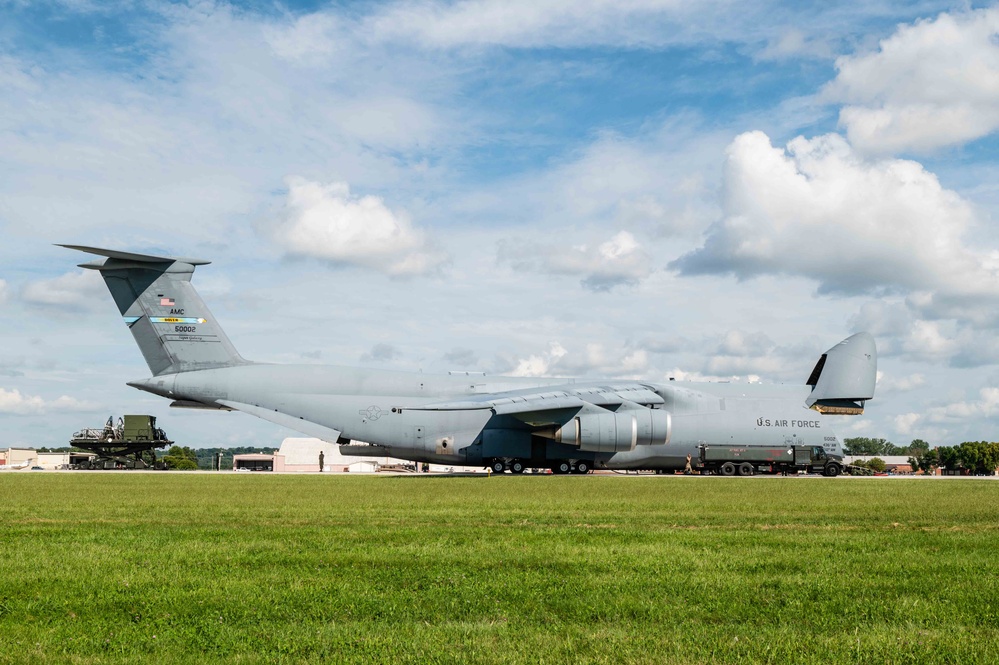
(750, 460)
(129, 444)
(139, 428)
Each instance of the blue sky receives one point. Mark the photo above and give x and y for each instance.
(645, 189)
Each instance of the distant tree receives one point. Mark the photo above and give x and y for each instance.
(948, 458)
(859, 462)
(980, 457)
(863, 445)
(917, 447)
(181, 458)
(876, 464)
(179, 463)
(925, 461)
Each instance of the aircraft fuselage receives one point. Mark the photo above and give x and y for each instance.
(381, 407)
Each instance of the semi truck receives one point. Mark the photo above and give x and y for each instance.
(750, 460)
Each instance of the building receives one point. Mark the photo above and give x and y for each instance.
(258, 462)
(63, 460)
(29, 457)
(302, 456)
(893, 463)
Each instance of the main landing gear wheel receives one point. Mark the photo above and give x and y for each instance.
(498, 466)
(561, 468)
(516, 466)
(727, 469)
(582, 466)
(746, 469)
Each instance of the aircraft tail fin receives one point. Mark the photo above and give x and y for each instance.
(845, 376)
(169, 320)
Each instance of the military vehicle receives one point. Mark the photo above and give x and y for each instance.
(463, 418)
(129, 444)
(749, 460)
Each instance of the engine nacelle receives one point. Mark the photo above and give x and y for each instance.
(615, 432)
(655, 426)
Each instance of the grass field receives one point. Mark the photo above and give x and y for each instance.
(160, 567)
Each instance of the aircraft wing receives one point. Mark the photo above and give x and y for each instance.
(552, 404)
(297, 424)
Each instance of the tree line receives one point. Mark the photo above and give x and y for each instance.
(977, 457)
(184, 457)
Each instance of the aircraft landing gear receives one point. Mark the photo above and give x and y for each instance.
(517, 466)
(497, 466)
(581, 467)
(561, 468)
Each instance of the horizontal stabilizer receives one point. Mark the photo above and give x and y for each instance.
(132, 256)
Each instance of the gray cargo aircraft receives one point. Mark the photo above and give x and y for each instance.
(468, 418)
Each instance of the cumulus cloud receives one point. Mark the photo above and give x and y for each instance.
(461, 358)
(380, 353)
(985, 406)
(74, 290)
(14, 402)
(820, 210)
(882, 318)
(901, 384)
(933, 83)
(755, 354)
(593, 359)
(327, 222)
(619, 260)
(540, 364)
(678, 374)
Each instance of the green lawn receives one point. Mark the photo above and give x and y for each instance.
(160, 567)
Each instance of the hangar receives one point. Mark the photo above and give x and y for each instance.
(29, 457)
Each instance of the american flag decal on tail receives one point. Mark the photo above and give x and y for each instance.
(167, 302)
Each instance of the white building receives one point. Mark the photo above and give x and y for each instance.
(302, 455)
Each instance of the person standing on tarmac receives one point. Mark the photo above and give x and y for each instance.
(686, 469)
(322, 458)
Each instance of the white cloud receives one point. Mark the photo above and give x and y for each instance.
(985, 406)
(16, 403)
(906, 422)
(856, 226)
(888, 384)
(678, 374)
(926, 339)
(74, 290)
(882, 318)
(755, 354)
(595, 359)
(793, 43)
(619, 260)
(540, 364)
(537, 23)
(931, 84)
(326, 222)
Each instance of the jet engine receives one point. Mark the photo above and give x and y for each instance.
(602, 431)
